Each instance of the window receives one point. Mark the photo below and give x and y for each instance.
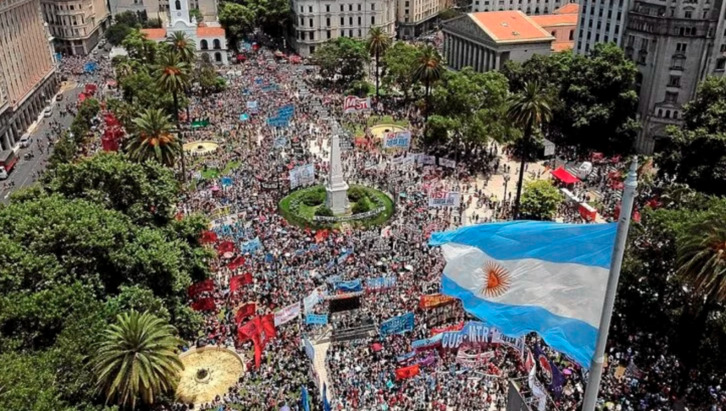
(671, 97)
(373, 20)
(359, 20)
(360, 33)
(677, 62)
(350, 33)
(342, 21)
(177, 4)
(681, 47)
(312, 35)
(350, 7)
(350, 21)
(674, 81)
(327, 8)
(689, 14)
(341, 7)
(327, 21)
(373, 6)
(721, 64)
(359, 6)
(329, 34)
(311, 22)
(312, 49)
(217, 44)
(302, 21)
(310, 9)
(302, 9)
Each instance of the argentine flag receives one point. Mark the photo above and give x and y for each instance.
(524, 276)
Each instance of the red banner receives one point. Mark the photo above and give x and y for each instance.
(260, 330)
(198, 288)
(407, 372)
(244, 311)
(236, 263)
(208, 237)
(451, 328)
(321, 235)
(239, 280)
(204, 304)
(434, 300)
(225, 247)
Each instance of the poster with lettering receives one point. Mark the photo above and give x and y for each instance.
(444, 199)
(287, 314)
(397, 325)
(353, 104)
(302, 176)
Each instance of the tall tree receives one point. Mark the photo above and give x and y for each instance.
(378, 42)
(237, 20)
(695, 153)
(428, 69)
(136, 359)
(343, 59)
(400, 62)
(540, 200)
(528, 109)
(153, 139)
(173, 77)
(183, 46)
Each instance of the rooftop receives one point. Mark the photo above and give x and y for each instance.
(210, 32)
(570, 8)
(509, 26)
(154, 34)
(552, 20)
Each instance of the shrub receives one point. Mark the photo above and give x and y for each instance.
(355, 194)
(313, 198)
(362, 206)
(324, 211)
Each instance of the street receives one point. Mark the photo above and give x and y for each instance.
(22, 174)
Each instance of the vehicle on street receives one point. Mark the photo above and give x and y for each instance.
(7, 162)
(48, 112)
(25, 140)
(59, 98)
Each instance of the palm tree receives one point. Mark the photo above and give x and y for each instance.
(428, 70)
(136, 359)
(173, 77)
(153, 138)
(378, 43)
(528, 109)
(183, 45)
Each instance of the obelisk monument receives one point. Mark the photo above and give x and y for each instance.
(337, 188)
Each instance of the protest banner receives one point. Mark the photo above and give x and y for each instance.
(317, 319)
(474, 360)
(427, 342)
(455, 327)
(302, 176)
(204, 304)
(405, 357)
(280, 142)
(200, 287)
(407, 372)
(309, 348)
(434, 300)
(239, 280)
(244, 117)
(249, 247)
(380, 283)
(426, 160)
(244, 311)
(236, 263)
(311, 301)
(287, 314)
(397, 325)
(398, 139)
(445, 162)
(253, 107)
(349, 286)
(444, 199)
(353, 104)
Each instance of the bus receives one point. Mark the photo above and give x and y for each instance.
(7, 162)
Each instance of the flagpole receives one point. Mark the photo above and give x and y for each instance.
(626, 209)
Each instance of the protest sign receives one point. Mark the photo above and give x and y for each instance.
(302, 176)
(311, 301)
(407, 372)
(380, 283)
(399, 139)
(251, 246)
(427, 342)
(352, 104)
(195, 289)
(397, 325)
(252, 107)
(318, 319)
(239, 280)
(445, 162)
(426, 160)
(287, 314)
(444, 199)
(434, 300)
(349, 286)
(474, 360)
(309, 349)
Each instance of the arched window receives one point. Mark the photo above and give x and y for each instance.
(178, 4)
(218, 57)
(217, 44)
(205, 45)
(668, 114)
(660, 113)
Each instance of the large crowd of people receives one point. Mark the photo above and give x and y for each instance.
(388, 268)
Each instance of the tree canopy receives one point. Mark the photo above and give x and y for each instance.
(540, 200)
(342, 59)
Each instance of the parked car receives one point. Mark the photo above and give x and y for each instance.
(59, 98)
(25, 140)
(48, 112)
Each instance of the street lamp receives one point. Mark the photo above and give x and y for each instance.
(506, 180)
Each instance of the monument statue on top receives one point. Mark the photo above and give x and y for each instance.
(336, 188)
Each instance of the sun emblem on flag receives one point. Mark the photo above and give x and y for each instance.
(496, 279)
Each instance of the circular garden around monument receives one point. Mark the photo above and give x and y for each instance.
(306, 207)
(208, 372)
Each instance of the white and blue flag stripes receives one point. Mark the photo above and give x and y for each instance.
(524, 276)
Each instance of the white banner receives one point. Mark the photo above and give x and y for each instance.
(444, 199)
(287, 314)
(302, 176)
(352, 104)
(311, 300)
(426, 160)
(445, 162)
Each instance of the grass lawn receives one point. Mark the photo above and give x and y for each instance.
(214, 173)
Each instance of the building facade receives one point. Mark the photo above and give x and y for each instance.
(159, 9)
(561, 25)
(528, 7)
(210, 38)
(600, 21)
(28, 78)
(416, 17)
(316, 21)
(76, 25)
(675, 47)
(486, 41)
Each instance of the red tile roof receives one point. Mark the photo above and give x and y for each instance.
(570, 8)
(552, 20)
(563, 46)
(509, 26)
(210, 32)
(154, 34)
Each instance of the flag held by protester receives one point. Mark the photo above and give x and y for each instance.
(200, 287)
(245, 311)
(239, 280)
(407, 372)
(525, 276)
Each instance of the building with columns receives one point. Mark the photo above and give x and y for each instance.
(486, 41)
(210, 38)
(76, 25)
(159, 9)
(28, 79)
(316, 21)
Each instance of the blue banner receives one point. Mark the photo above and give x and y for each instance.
(474, 332)
(427, 342)
(271, 87)
(380, 283)
(406, 357)
(349, 286)
(226, 181)
(251, 246)
(319, 319)
(280, 142)
(252, 107)
(244, 117)
(90, 67)
(401, 139)
(286, 111)
(397, 325)
(309, 349)
(334, 279)
(344, 254)
(278, 122)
